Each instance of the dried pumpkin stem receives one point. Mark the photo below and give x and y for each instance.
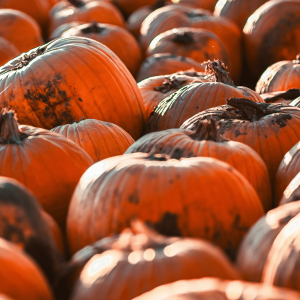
(170, 84)
(77, 3)
(184, 38)
(218, 69)
(93, 27)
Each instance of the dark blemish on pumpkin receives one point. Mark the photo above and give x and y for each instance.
(230, 250)
(12, 233)
(266, 136)
(168, 225)
(217, 235)
(206, 229)
(197, 107)
(171, 181)
(281, 120)
(238, 133)
(236, 224)
(58, 76)
(80, 99)
(134, 198)
(11, 96)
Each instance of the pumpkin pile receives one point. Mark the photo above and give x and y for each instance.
(149, 149)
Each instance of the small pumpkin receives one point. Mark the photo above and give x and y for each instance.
(198, 44)
(99, 139)
(8, 51)
(256, 245)
(20, 29)
(117, 39)
(172, 111)
(84, 11)
(268, 128)
(207, 142)
(165, 64)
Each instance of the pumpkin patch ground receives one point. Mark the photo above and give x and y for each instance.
(149, 149)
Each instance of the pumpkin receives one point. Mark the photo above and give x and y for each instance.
(280, 76)
(215, 288)
(127, 7)
(82, 11)
(99, 139)
(204, 4)
(284, 97)
(287, 171)
(20, 29)
(271, 34)
(198, 44)
(194, 258)
(49, 89)
(282, 266)
(177, 16)
(295, 102)
(8, 51)
(165, 64)
(292, 192)
(62, 28)
(117, 39)
(256, 245)
(172, 111)
(20, 277)
(154, 89)
(208, 142)
(237, 11)
(270, 129)
(56, 233)
(139, 185)
(46, 163)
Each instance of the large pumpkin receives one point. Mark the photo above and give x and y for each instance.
(256, 245)
(209, 199)
(270, 129)
(271, 34)
(172, 111)
(8, 51)
(46, 163)
(117, 39)
(281, 76)
(68, 79)
(208, 142)
(99, 139)
(20, 29)
(20, 278)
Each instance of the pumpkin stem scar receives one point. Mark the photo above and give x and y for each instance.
(218, 69)
(77, 3)
(9, 128)
(93, 27)
(183, 38)
(170, 84)
(158, 4)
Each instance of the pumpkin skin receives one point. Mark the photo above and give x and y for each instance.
(16, 266)
(160, 178)
(215, 288)
(256, 245)
(20, 29)
(63, 28)
(207, 142)
(165, 64)
(292, 192)
(54, 91)
(81, 11)
(177, 16)
(271, 135)
(35, 150)
(282, 266)
(237, 11)
(284, 97)
(8, 51)
(117, 39)
(204, 4)
(155, 89)
(198, 44)
(99, 139)
(172, 111)
(281, 76)
(271, 34)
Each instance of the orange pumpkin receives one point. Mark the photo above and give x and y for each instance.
(207, 142)
(8, 51)
(165, 64)
(48, 88)
(99, 139)
(198, 44)
(177, 16)
(172, 111)
(281, 76)
(117, 39)
(204, 4)
(271, 34)
(270, 129)
(84, 11)
(20, 278)
(256, 245)
(284, 97)
(139, 185)
(215, 288)
(63, 28)
(292, 192)
(282, 266)
(20, 29)
(127, 7)
(46, 163)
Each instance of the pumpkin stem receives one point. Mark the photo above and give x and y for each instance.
(158, 157)
(93, 27)
(9, 128)
(77, 3)
(170, 84)
(183, 38)
(208, 130)
(218, 69)
(196, 14)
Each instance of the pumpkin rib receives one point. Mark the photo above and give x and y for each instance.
(111, 133)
